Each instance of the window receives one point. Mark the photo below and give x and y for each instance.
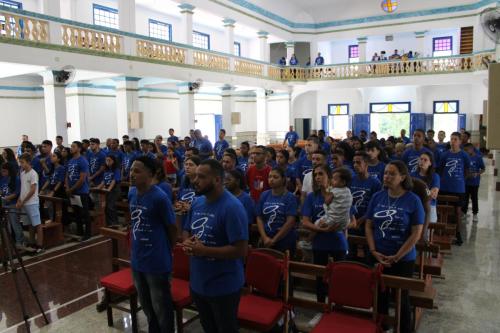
(160, 30)
(105, 16)
(10, 4)
(390, 118)
(237, 49)
(338, 120)
(353, 53)
(201, 40)
(442, 46)
(446, 117)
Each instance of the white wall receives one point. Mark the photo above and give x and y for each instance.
(278, 114)
(161, 112)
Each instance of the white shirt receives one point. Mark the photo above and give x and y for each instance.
(307, 184)
(27, 179)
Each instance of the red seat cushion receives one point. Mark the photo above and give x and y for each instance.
(259, 313)
(181, 295)
(120, 282)
(344, 323)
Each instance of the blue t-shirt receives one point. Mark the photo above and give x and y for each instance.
(249, 205)
(377, 171)
(5, 190)
(217, 224)
(362, 191)
(392, 220)
(186, 194)
(37, 166)
(149, 154)
(173, 138)
(75, 167)
(304, 166)
(128, 159)
(58, 176)
(291, 138)
(323, 241)
(412, 156)
(476, 165)
(319, 61)
(164, 149)
(167, 188)
(274, 211)
(150, 213)
(406, 140)
(118, 154)
(435, 183)
(242, 164)
(453, 168)
(96, 161)
(219, 148)
(204, 147)
(110, 175)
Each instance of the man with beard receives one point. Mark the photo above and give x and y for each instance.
(216, 237)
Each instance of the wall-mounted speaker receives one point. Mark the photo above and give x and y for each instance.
(235, 118)
(493, 118)
(135, 120)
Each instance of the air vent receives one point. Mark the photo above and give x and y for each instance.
(389, 38)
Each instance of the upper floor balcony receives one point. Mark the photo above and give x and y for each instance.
(38, 30)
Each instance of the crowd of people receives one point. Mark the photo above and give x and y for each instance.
(395, 56)
(206, 196)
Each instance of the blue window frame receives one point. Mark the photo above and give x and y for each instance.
(395, 107)
(105, 16)
(160, 30)
(237, 49)
(353, 54)
(446, 106)
(201, 40)
(338, 109)
(11, 4)
(442, 46)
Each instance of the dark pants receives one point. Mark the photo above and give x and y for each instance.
(471, 193)
(156, 300)
(321, 258)
(353, 248)
(403, 269)
(82, 216)
(218, 314)
(110, 210)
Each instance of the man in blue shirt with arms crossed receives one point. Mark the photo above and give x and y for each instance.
(216, 238)
(291, 137)
(153, 235)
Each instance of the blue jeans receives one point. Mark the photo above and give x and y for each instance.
(218, 314)
(156, 300)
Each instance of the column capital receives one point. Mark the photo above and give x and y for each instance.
(186, 8)
(126, 78)
(228, 22)
(55, 78)
(420, 34)
(227, 90)
(262, 34)
(289, 44)
(362, 40)
(185, 88)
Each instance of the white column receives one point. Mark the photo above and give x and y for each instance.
(263, 46)
(290, 49)
(127, 102)
(420, 43)
(229, 35)
(186, 107)
(126, 22)
(186, 26)
(228, 105)
(55, 105)
(53, 8)
(362, 48)
(75, 112)
(262, 99)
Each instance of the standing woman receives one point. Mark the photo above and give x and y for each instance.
(9, 157)
(234, 182)
(425, 172)
(376, 165)
(186, 193)
(276, 212)
(394, 222)
(328, 241)
(10, 187)
(111, 183)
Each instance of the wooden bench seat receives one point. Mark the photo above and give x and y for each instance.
(51, 232)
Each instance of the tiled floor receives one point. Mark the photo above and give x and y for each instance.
(468, 298)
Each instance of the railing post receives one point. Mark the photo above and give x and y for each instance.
(189, 57)
(128, 45)
(265, 70)
(231, 64)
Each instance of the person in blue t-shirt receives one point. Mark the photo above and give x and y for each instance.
(293, 60)
(111, 183)
(282, 162)
(376, 165)
(329, 241)
(153, 235)
(319, 61)
(10, 188)
(403, 138)
(129, 156)
(234, 182)
(394, 222)
(186, 193)
(473, 180)
(411, 156)
(115, 151)
(291, 138)
(97, 162)
(221, 145)
(426, 173)
(172, 137)
(42, 163)
(77, 187)
(160, 180)
(203, 145)
(276, 213)
(216, 238)
(454, 166)
(54, 185)
(243, 157)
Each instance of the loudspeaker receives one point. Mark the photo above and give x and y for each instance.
(135, 120)
(235, 118)
(493, 118)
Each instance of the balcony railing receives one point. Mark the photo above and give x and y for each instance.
(29, 27)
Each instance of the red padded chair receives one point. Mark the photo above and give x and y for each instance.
(120, 283)
(352, 285)
(263, 307)
(181, 295)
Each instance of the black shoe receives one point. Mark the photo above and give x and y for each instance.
(100, 307)
(459, 240)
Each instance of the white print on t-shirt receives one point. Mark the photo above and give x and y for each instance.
(135, 217)
(389, 213)
(93, 162)
(188, 197)
(358, 197)
(272, 211)
(198, 227)
(452, 164)
(413, 164)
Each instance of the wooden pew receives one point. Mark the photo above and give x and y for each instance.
(51, 233)
(119, 239)
(98, 215)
